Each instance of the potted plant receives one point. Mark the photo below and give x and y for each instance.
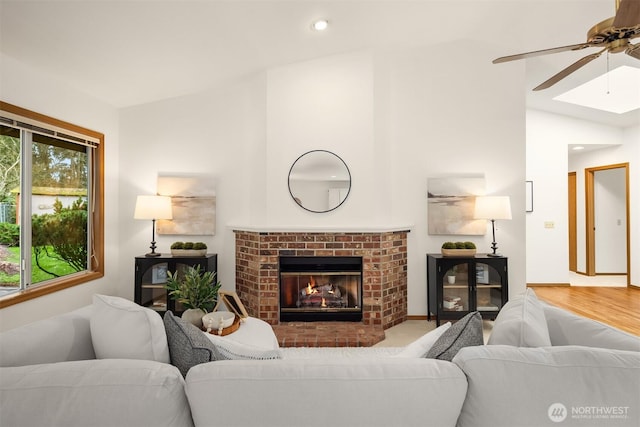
(196, 290)
(458, 249)
(188, 249)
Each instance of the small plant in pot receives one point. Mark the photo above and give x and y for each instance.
(196, 290)
(458, 249)
(188, 249)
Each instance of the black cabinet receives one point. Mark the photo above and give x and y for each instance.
(459, 285)
(151, 278)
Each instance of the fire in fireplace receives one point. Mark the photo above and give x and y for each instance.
(320, 288)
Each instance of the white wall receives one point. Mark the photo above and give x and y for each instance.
(443, 114)
(395, 119)
(323, 104)
(28, 88)
(548, 164)
(219, 133)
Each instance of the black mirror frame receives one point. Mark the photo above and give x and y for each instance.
(298, 202)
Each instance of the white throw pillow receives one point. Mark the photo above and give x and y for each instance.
(521, 323)
(122, 329)
(421, 346)
(227, 349)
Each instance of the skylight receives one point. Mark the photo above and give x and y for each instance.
(617, 91)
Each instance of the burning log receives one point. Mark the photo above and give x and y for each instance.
(322, 289)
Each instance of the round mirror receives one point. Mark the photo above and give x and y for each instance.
(319, 181)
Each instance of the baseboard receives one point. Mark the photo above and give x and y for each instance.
(611, 274)
(582, 273)
(532, 285)
(420, 317)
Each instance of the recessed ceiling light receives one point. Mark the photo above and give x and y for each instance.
(617, 91)
(320, 25)
(578, 147)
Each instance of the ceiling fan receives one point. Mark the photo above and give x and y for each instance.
(612, 35)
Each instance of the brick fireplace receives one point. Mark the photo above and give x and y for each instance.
(384, 279)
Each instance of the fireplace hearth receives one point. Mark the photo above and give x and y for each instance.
(320, 288)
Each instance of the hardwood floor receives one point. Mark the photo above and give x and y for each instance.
(618, 307)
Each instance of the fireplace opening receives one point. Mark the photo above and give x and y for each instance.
(320, 288)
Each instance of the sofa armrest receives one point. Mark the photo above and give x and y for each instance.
(108, 392)
(566, 328)
(337, 392)
(516, 386)
(57, 339)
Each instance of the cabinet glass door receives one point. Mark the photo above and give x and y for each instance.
(488, 288)
(455, 287)
(153, 293)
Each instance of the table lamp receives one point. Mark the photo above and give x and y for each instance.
(492, 208)
(153, 207)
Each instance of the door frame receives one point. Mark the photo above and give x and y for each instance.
(590, 234)
(573, 227)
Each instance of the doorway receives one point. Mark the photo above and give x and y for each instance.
(607, 216)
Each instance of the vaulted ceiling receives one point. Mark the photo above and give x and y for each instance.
(134, 52)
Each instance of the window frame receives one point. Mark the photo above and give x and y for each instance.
(96, 269)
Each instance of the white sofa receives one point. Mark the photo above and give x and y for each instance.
(49, 376)
(540, 361)
(546, 366)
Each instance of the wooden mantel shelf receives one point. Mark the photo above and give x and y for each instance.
(321, 228)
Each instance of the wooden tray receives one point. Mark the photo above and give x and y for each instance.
(229, 330)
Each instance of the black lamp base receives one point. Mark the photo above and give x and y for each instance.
(494, 245)
(153, 246)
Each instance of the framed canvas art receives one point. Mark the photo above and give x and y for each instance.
(451, 202)
(193, 202)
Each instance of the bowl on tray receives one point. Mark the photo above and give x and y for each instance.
(218, 320)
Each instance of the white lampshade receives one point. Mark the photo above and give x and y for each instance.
(153, 207)
(492, 207)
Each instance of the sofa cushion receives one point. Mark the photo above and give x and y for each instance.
(566, 328)
(421, 346)
(336, 392)
(521, 323)
(122, 329)
(586, 386)
(59, 338)
(465, 332)
(100, 393)
(188, 346)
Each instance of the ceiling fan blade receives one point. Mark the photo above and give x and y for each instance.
(633, 51)
(579, 46)
(570, 69)
(628, 14)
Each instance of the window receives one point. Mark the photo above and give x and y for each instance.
(51, 205)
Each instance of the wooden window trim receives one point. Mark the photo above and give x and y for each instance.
(97, 261)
